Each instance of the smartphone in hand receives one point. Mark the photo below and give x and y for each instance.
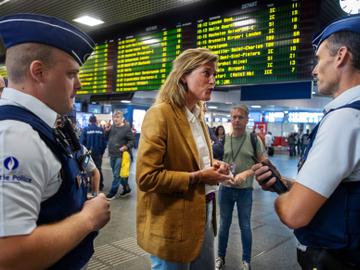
(279, 187)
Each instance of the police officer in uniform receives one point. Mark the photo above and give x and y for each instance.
(45, 221)
(323, 203)
(93, 137)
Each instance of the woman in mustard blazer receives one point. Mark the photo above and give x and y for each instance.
(175, 173)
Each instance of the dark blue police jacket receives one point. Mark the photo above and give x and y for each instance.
(71, 195)
(337, 223)
(93, 137)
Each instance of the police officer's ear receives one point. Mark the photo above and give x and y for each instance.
(37, 70)
(343, 56)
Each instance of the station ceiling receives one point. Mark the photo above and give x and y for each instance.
(119, 12)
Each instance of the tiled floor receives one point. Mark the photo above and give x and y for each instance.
(273, 243)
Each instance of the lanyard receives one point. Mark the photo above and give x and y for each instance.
(238, 151)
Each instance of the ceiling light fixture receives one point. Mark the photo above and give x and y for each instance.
(212, 107)
(87, 20)
(4, 2)
(125, 101)
(255, 106)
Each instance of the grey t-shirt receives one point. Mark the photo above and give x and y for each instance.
(118, 137)
(239, 150)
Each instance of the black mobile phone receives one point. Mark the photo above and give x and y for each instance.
(279, 187)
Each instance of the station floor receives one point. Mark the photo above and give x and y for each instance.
(273, 243)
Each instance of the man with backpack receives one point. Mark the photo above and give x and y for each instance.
(240, 150)
(323, 203)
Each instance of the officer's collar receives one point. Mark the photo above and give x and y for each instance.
(348, 96)
(31, 103)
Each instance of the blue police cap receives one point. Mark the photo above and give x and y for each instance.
(351, 24)
(36, 28)
(92, 119)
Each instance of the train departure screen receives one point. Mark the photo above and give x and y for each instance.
(94, 74)
(261, 45)
(258, 42)
(145, 60)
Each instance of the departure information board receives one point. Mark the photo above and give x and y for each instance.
(94, 74)
(257, 42)
(144, 61)
(3, 72)
(259, 46)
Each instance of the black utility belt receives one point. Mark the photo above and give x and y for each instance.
(328, 259)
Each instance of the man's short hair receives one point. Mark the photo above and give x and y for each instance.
(118, 113)
(241, 107)
(350, 40)
(20, 57)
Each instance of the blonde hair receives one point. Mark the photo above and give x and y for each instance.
(118, 113)
(173, 90)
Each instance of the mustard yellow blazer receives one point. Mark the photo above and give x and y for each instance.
(170, 215)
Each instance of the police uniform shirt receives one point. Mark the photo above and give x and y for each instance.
(335, 153)
(29, 171)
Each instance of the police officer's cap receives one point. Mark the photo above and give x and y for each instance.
(351, 24)
(36, 28)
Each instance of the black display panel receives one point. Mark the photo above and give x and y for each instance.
(3, 72)
(96, 73)
(258, 42)
(144, 61)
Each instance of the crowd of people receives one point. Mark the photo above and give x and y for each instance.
(297, 142)
(179, 170)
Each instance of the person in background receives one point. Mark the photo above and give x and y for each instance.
(240, 150)
(297, 143)
(304, 141)
(220, 134)
(2, 85)
(175, 173)
(46, 221)
(93, 137)
(323, 204)
(269, 140)
(217, 146)
(218, 143)
(292, 144)
(120, 139)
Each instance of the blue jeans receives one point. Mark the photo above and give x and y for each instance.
(205, 260)
(115, 163)
(98, 161)
(243, 199)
